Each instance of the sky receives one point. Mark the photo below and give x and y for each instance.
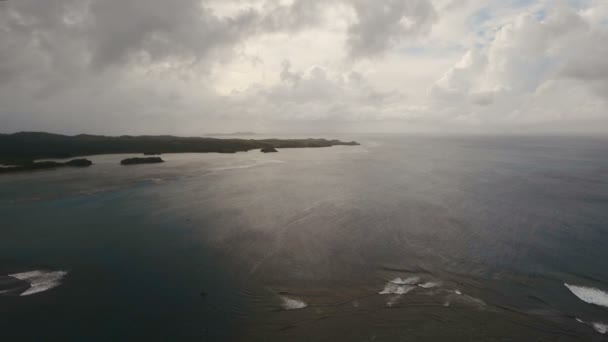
(194, 67)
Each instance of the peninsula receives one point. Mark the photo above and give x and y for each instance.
(25, 147)
(43, 165)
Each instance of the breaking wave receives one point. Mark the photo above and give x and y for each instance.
(292, 304)
(602, 328)
(40, 281)
(400, 286)
(589, 295)
(406, 281)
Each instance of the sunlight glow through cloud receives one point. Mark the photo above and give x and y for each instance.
(354, 65)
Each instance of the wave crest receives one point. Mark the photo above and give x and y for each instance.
(292, 303)
(589, 295)
(40, 281)
(400, 286)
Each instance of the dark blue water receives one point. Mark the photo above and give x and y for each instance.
(402, 238)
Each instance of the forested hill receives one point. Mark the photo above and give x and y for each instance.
(24, 146)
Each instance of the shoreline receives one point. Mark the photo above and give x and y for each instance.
(19, 149)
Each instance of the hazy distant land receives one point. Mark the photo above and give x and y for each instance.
(23, 148)
(231, 134)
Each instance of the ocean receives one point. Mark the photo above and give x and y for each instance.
(404, 238)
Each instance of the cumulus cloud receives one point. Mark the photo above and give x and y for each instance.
(320, 94)
(382, 24)
(195, 66)
(533, 70)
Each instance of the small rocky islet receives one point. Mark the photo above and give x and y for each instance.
(148, 160)
(268, 149)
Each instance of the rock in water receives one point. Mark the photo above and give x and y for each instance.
(134, 161)
(268, 149)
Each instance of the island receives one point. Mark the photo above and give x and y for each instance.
(268, 149)
(79, 163)
(18, 151)
(135, 161)
(43, 165)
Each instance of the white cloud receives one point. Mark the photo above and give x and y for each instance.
(381, 24)
(195, 66)
(534, 69)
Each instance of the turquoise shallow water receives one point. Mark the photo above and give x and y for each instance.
(423, 238)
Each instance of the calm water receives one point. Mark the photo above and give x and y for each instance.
(402, 238)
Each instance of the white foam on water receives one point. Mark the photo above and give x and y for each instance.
(401, 286)
(40, 281)
(589, 295)
(474, 301)
(600, 327)
(399, 289)
(393, 300)
(406, 281)
(292, 304)
(457, 297)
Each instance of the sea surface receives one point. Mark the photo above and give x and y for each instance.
(404, 238)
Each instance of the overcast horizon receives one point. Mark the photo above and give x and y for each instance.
(195, 67)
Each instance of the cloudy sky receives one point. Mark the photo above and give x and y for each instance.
(191, 67)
